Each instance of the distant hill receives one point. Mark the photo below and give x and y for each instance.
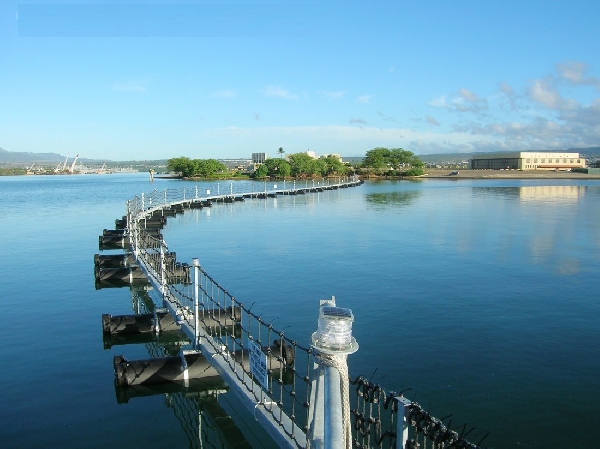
(14, 157)
(590, 152)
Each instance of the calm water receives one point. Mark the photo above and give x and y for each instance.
(481, 296)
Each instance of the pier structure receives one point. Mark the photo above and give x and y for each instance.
(300, 394)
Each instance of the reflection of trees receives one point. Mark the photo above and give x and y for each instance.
(381, 200)
(511, 192)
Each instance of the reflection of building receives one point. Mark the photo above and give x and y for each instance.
(259, 158)
(527, 161)
(551, 193)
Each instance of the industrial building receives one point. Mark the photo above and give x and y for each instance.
(527, 161)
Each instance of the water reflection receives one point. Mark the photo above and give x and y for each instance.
(551, 193)
(563, 193)
(551, 225)
(198, 404)
(382, 200)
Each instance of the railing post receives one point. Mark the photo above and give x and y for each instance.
(196, 265)
(163, 278)
(143, 208)
(402, 423)
(196, 192)
(165, 197)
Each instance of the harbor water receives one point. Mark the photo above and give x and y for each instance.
(478, 295)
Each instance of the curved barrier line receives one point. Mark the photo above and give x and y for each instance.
(151, 252)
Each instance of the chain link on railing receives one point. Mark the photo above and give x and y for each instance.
(384, 419)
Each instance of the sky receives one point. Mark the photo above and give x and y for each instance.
(145, 80)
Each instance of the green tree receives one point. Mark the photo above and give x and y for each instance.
(182, 165)
(335, 166)
(301, 164)
(400, 158)
(278, 168)
(319, 167)
(206, 168)
(261, 172)
(377, 158)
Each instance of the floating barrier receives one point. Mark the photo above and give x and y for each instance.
(194, 387)
(189, 365)
(166, 212)
(114, 260)
(113, 242)
(171, 338)
(162, 321)
(114, 232)
(121, 223)
(179, 273)
(126, 274)
(115, 283)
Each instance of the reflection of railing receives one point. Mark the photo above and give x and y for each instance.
(277, 379)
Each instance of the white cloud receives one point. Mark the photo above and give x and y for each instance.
(509, 94)
(438, 102)
(463, 101)
(364, 98)
(467, 95)
(429, 119)
(227, 93)
(278, 92)
(128, 86)
(358, 120)
(387, 118)
(542, 92)
(333, 94)
(336, 138)
(575, 73)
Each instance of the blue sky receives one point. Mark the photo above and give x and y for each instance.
(136, 81)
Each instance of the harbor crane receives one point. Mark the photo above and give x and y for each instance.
(61, 167)
(73, 164)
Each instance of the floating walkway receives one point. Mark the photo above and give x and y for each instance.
(299, 395)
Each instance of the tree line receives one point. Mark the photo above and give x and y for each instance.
(378, 161)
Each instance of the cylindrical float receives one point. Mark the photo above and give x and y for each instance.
(112, 242)
(114, 260)
(178, 273)
(177, 338)
(139, 323)
(124, 394)
(127, 274)
(171, 369)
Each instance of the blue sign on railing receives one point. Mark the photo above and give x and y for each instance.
(258, 364)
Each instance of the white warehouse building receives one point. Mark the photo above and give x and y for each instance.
(527, 161)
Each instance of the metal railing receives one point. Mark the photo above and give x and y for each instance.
(272, 375)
